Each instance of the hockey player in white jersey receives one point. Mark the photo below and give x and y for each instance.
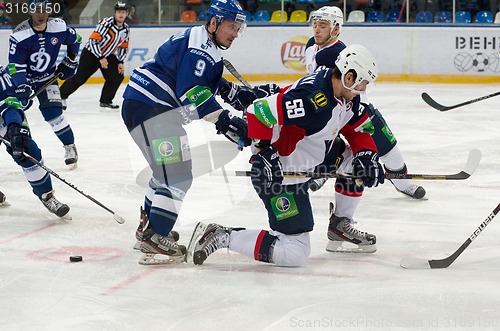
(321, 51)
(177, 86)
(292, 131)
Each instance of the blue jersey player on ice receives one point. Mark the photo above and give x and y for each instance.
(33, 50)
(177, 86)
(14, 128)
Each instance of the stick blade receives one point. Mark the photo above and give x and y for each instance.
(411, 262)
(118, 218)
(473, 161)
(431, 102)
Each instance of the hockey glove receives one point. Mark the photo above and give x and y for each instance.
(67, 68)
(23, 93)
(18, 136)
(365, 165)
(239, 97)
(13, 103)
(263, 91)
(233, 128)
(267, 171)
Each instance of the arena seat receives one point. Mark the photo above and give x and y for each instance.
(279, 16)
(462, 17)
(356, 16)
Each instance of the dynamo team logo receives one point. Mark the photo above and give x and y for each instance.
(282, 204)
(165, 148)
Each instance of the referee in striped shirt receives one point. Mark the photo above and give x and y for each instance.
(106, 50)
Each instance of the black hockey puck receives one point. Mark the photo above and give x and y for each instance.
(75, 258)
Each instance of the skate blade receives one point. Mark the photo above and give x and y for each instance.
(152, 259)
(347, 247)
(4, 204)
(66, 217)
(137, 245)
(72, 166)
(199, 230)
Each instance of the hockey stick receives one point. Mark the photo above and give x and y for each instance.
(44, 86)
(229, 66)
(431, 102)
(470, 166)
(117, 217)
(411, 262)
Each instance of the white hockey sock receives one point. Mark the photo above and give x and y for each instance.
(244, 241)
(393, 161)
(345, 206)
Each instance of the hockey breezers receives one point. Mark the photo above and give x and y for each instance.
(470, 166)
(117, 217)
(431, 102)
(411, 262)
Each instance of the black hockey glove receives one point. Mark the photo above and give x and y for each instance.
(18, 136)
(239, 97)
(67, 68)
(23, 93)
(233, 128)
(365, 165)
(267, 171)
(263, 91)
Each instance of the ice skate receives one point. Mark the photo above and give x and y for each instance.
(341, 231)
(412, 190)
(108, 107)
(3, 200)
(158, 249)
(54, 206)
(213, 237)
(316, 183)
(70, 156)
(143, 223)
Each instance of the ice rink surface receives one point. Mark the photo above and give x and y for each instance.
(41, 290)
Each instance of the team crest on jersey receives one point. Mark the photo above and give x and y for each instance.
(54, 41)
(319, 100)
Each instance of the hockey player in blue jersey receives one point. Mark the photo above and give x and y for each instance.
(33, 51)
(321, 51)
(14, 128)
(177, 86)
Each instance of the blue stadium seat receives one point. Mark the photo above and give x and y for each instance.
(375, 16)
(393, 15)
(442, 17)
(424, 17)
(462, 17)
(261, 16)
(249, 15)
(202, 16)
(484, 17)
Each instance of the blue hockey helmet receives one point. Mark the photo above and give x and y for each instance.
(226, 9)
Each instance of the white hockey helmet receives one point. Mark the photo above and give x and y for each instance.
(359, 59)
(331, 14)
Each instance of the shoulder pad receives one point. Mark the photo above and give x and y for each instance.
(56, 25)
(22, 31)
